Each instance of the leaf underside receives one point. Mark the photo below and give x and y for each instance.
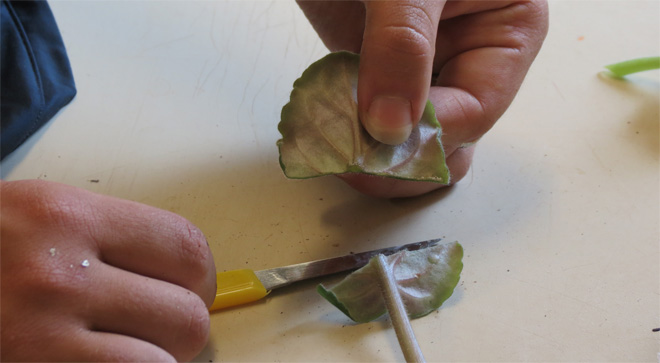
(425, 279)
(322, 135)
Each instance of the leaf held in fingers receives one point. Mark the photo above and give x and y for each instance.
(322, 135)
(425, 279)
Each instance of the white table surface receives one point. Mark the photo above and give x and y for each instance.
(177, 107)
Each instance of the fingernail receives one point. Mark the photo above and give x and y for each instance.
(388, 119)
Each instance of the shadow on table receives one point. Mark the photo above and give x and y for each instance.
(643, 126)
(254, 217)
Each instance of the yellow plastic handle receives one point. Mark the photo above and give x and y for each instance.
(237, 287)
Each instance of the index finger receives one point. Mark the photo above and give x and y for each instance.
(395, 66)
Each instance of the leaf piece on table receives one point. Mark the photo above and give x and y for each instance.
(322, 135)
(425, 278)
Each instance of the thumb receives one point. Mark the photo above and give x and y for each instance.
(396, 62)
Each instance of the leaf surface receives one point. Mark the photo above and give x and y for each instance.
(322, 135)
(425, 278)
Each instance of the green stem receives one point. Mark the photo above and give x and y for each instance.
(634, 65)
(398, 314)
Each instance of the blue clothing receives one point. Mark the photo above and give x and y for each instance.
(36, 76)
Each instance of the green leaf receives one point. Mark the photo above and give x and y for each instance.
(322, 135)
(425, 279)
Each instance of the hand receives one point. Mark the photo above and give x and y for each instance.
(86, 277)
(468, 58)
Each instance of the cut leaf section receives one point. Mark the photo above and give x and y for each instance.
(425, 278)
(322, 135)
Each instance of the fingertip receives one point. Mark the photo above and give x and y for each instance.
(388, 119)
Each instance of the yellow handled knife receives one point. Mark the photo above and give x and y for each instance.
(244, 286)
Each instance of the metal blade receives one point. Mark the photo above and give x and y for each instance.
(282, 276)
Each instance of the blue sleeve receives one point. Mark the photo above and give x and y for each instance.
(36, 76)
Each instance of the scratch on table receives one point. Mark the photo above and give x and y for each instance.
(165, 43)
(270, 27)
(264, 12)
(596, 156)
(303, 239)
(578, 266)
(211, 30)
(199, 78)
(251, 76)
(276, 84)
(199, 86)
(558, 91)
(560, 293)
(295, 29)
(256, 95)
